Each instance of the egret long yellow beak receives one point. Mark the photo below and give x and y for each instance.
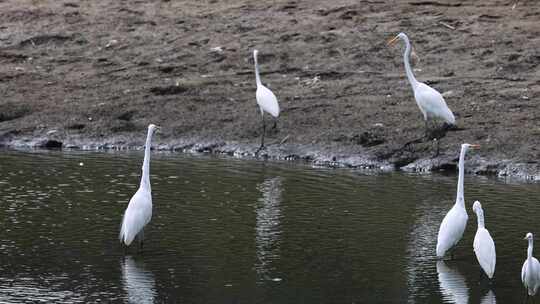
(525, 238)
(392, 41)
(475, 146)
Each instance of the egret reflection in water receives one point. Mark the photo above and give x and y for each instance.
(333, 236)
(268, 225)
(452, 284)
(489, 298)
(138, 283)
(421, 246)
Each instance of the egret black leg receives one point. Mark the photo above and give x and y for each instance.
(480, 276)
(526, 296)
(262, 136)
(141, 239)
(275, 124)
(436, 147)
(427, 129)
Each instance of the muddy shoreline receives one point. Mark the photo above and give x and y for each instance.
(331, 157)
(87, 75)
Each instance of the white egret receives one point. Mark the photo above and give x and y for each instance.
(139, 210)
(266, 100)
(530, 272)
(429, 100)
(453, 224)
(484, 247)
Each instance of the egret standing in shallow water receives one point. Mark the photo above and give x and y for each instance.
(484, 247)
(139, 210)
(530, 272)
(266, 100)
(429, 100)
(453, 224)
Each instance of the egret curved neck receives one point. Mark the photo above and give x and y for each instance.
(480, 216)
(257, 77)
(406, 61)
(145, 179)
(530, 250)
(460, 200)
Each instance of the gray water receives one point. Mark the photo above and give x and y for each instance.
(241, 231)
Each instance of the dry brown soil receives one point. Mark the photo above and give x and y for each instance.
(90, 73)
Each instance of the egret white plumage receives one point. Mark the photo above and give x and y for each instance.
(139, 210)
(483, 245)
(453, 224)
(530, 272)
(429, 100)
(266, 100)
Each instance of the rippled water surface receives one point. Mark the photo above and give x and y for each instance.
(237, 231)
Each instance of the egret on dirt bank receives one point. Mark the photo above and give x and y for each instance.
(429, 100)
(266, 100)
(483, 245)
(530, 272)
(453, 224)
(139, 210)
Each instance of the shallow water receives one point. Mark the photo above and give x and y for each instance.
(237, 231)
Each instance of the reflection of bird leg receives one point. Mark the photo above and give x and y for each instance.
(262, 136)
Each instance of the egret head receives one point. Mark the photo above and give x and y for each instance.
(466, 147)
(528, 236)
(477, 207)
(255, 53)
(398, 36)
(152, 128)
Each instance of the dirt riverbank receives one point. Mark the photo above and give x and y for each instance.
(86, 74)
